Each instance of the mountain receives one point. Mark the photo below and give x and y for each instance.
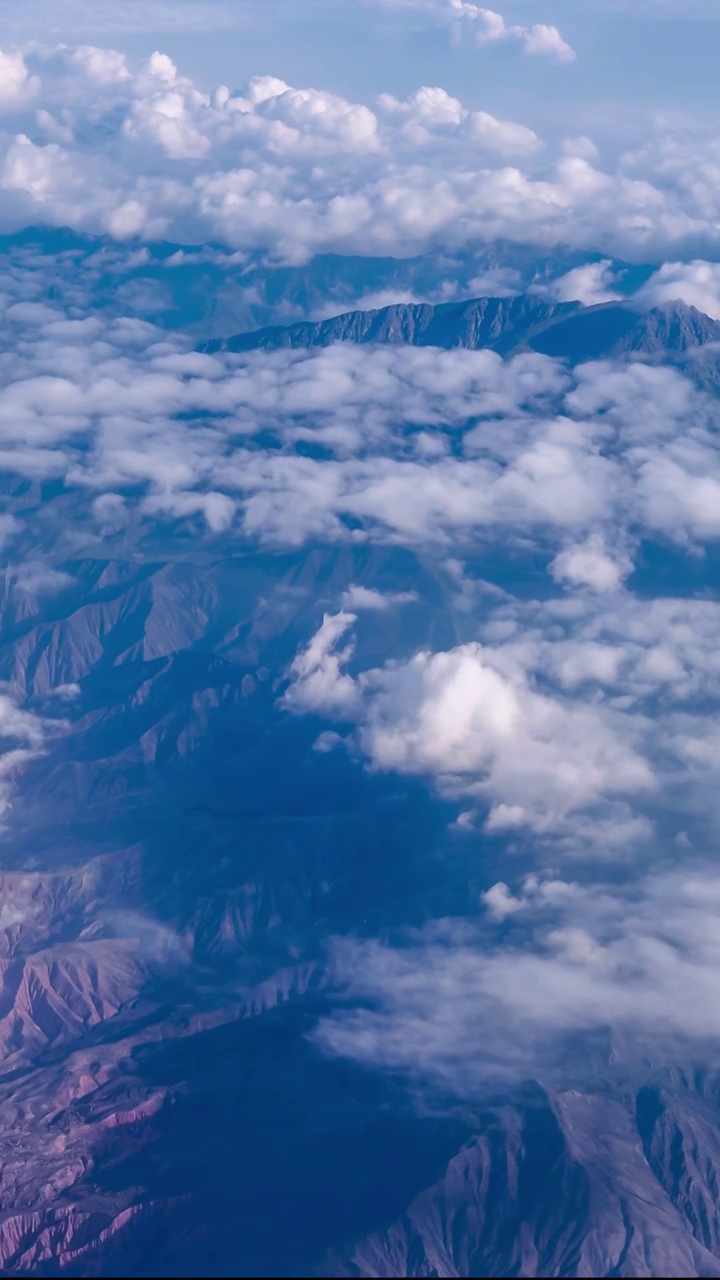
(567, 1183)
(506, 325)
(500, 323)
(174, 868)
(181, 851)
(208, 292)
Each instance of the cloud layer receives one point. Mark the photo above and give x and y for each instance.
(583, 730)
(514, 993)
(411, 445)
(93, 142)
(586, 720)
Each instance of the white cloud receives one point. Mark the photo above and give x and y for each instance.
(431, 112)
(18, 88)
(68, 692)
(577, 719)
(405, 444)
(535, 40)
(110, 147)
(357, 598)
(588, 564)
(695, 283)
(318, 683)
(470, 720)
(486, 26)
(367, 302)
(39, 578)
(9, 527)
(591, 284)
(462, 1002)
(542, 38)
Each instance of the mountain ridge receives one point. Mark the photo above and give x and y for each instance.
(568, 330)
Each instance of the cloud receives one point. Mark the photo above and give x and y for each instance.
(359, 598)
(464, 1001)
(318, 683)
(633, 649)
(470, 721)
(346, 443)
(695, 283)
(430, 113)
(536, 40)
(22, 738)
(38, 578)
(9, 527)
(137, 151)
(575, 724)
(485, 26)
(367, 302)
(18, 87)
(590, 284)
(588, 564)
(68, 692)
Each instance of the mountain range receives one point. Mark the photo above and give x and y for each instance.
(163, 1109)
(180, 854)
(567, 330)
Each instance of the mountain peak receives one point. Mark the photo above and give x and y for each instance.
(568, 330)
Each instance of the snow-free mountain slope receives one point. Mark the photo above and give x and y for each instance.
(505, 325)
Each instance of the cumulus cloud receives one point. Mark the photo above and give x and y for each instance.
(485, 26)
(695, 283)
(429, 113)
(39, 578)
(470, 720)
(467, 1000)
(318, 682)
(104, 145)
(538, 39)
(582, 719)
(68, 692)
(352, 443)
(588, 564)
(590, 284)
(635, 649)
(18, 87)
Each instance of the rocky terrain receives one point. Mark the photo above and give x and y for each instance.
(569, 330)
(176, 857)
(164, 961)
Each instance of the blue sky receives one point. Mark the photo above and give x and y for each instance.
(645, 57)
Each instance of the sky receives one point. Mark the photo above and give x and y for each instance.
(634, 57)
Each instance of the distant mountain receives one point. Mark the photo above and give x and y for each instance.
(208, 292)
(568, 329)
(176, 863)
(162, 1108)
(500, 323)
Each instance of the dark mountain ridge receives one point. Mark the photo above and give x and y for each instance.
(506, 325)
